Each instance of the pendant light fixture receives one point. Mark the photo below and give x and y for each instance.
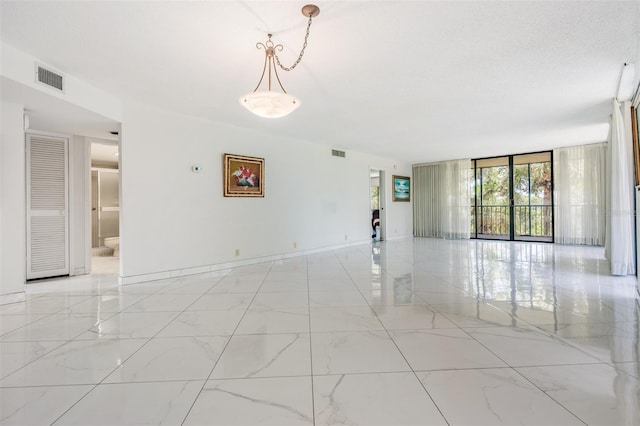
(276, 104)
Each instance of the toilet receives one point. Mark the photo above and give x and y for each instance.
(114, 243)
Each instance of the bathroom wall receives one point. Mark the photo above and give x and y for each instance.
(108, 198)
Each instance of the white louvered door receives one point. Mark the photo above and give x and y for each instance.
(47, 206)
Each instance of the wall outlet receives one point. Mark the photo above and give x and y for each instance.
(237, 252)
(345, 237)
(295, 244)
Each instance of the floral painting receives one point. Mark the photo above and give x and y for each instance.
(243, 176)
(401, 188)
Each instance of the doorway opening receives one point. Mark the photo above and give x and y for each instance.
(105, 207)
(512, 197)
(376, 204)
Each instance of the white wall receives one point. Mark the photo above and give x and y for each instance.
(12, 204)
(80, 204)
(173, 219)
(20, 67)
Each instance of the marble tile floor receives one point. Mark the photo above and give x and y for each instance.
(406, 332)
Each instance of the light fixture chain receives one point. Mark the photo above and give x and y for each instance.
(304, 46)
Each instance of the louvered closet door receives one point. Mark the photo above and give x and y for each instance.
(47, 207)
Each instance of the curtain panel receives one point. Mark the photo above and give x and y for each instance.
(441, 204)
(579, 194)
(620, 248)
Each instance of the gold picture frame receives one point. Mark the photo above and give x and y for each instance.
(243, 176)
(401, 188)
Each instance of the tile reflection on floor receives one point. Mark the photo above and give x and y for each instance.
(405, 332)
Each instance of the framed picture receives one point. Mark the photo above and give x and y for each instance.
(243, 176)
(401, 188)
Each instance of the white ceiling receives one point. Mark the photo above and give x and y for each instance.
(104, 152)
(53, 114)
(415, 80)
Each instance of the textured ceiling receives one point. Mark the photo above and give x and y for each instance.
(416, 80)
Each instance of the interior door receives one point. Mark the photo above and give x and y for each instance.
(47, 206)
(95, 242)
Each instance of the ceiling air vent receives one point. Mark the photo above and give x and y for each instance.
(337, 153)
(49, 77)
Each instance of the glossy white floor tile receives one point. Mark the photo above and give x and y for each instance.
(233, 284)
(404, 332)
(274, 321)
(443, 349)
(596, 393)
(411, 317)
(265, 355)
(280, 300)
(493, 397)
(222, 302)
(158, 403)
(75, 363)
(130, 325)
(196, 284)
(55, 327)
(522, 346)
(610, 342)
(203, 323)
(476, 314)
(265, 401)
(164, 303)
(355, 352)
(283, 286)
(15, 355)
(631, 368)
(330, 299)
(344, 318)
(40, 405)
(10, 323)
(171, 358)
(106, 303)
(373, 399)
(43, 305)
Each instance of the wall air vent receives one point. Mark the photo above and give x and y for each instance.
(337, 153)
(50, 78)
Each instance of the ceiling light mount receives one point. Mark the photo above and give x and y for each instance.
(311, 10)
(270, 104)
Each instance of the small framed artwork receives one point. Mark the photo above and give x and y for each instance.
(243, 176)
(401, 188)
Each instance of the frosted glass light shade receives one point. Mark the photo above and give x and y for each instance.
(270, 104)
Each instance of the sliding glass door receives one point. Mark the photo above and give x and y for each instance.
(512, 198)
(492, 213)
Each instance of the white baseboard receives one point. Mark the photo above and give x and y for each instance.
(133, 279)
(80, 271)
(5, 299)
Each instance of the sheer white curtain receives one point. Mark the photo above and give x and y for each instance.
(579, 194)
(620, 242)
(441, 203)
